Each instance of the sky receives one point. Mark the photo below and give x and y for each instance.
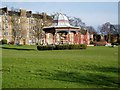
(92, 13)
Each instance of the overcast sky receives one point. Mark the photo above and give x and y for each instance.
(92, 13)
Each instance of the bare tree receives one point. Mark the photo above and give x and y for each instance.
(38, 28)
(19, 30)
(41, 20)
(74, 21)
(15, 25)
(91, 29)
(109, 31)
(105, 28)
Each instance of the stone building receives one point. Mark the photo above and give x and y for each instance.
(24, 23)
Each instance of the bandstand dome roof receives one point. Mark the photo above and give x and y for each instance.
(60, 20)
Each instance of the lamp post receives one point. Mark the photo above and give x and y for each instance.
(42, 25)
(109, 34)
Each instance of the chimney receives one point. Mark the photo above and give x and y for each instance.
(22, 13)
(29, 13)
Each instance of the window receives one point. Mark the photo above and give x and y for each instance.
(5, 33)
(6, 27)
(31, 21)
(5, 18)
(0, 26)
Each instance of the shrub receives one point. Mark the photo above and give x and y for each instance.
(58, 47)
(4, 41)
(65, 46)
(36, 44)
(92, 42)
(0, 42)
(115, 43)
(38, 48)
(118, 41)
(62, 47)
(71, 46)
(48, 47)
(74, 46)
(100, 43)
(83, 46)
(12, 42)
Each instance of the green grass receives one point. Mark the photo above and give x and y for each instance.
(25, 67)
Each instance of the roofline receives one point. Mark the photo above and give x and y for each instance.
(61, 27)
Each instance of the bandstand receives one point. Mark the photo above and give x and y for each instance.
(61, 32)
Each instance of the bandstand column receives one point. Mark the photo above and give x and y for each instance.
(76, 38)
(54, 38)
(79, 38)
(68, 36)
(45, 39)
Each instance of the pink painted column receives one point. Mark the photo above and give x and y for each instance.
(87, 38)
(45, 39)
(79, 38)
(68, 36)
(75, 38)
(54, 38)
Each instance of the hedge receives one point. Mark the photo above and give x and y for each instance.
(3, 41)
(62, 47)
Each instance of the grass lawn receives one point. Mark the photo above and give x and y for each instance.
(26, 67)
